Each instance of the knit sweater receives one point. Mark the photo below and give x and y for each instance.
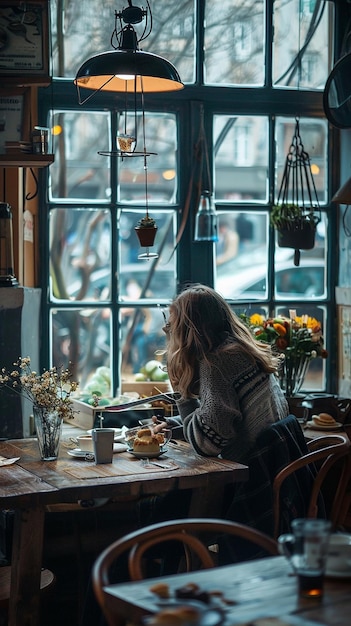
(237, 400)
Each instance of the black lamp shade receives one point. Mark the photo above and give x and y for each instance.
(105, 71)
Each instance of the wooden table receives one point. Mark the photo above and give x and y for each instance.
(31, 485)
(260, 588)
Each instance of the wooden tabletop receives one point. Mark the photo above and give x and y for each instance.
(260, 588)
(31, 481)
(30, 485)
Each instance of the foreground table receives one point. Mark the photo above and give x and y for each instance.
(31, 485)
(260, 588)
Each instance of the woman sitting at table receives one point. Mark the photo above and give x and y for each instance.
(227, 380)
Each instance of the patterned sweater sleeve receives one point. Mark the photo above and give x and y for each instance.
(212, 421)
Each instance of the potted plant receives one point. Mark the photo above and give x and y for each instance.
(296, 227)
(146, 230)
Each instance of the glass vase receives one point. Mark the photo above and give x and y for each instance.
(292, 373)
(48, 426)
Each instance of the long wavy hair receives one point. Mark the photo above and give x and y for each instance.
(201, 322)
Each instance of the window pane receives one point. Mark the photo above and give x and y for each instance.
(234, 42)
(78, 170)
(314, 139)
(80, 256)
(81, 337)
(142, 336)
(308, 280)
(242, 255)
(87, 27)
(160, 139)
(301, 47)
(241, 158)
(155, 279)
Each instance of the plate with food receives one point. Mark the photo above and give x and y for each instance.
(323, 421)
(147, 455)
(186, 612)
(144, 443)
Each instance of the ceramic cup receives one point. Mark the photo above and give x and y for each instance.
(339, 553)
(307, 548)
(85, 442)
(103, 444)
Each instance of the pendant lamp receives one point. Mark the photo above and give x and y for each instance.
(127, 69)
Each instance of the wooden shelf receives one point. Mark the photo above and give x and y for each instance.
(21, 159)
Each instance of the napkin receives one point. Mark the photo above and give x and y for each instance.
(5, 461)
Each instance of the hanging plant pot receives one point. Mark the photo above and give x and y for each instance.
(146, 236)
(298, 235)
(146, 230)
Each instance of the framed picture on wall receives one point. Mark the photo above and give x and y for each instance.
(14, 118)
(24, 42)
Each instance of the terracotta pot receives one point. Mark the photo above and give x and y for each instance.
(146, 236)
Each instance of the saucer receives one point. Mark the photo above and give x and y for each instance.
(81, 454)
(314, 426)
(147, 455)
(208, 616)
(338, 574)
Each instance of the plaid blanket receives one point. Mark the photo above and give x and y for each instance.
(251, 503)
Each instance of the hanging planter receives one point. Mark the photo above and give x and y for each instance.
(296, 214)
(146, 230)
(295, 229)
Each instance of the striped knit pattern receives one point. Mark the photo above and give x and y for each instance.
(236, 402)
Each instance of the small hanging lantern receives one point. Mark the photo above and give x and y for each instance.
(206, 220)
(7, 276)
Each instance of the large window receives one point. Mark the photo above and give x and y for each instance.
(253, 68)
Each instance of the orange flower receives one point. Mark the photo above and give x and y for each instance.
(281, 330)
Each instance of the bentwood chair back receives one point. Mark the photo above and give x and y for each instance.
(184, 531)
(327, 457)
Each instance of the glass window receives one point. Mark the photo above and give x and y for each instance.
(161, 141)
(83, 29)
(104, 306)
(242, 255)
(301, 29)
(156, 279)
(241, 158)
(314, 141)
(234, 42)
(83, 338)
(80, 260)
(78, 171)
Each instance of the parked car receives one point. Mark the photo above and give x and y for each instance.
(307, 280)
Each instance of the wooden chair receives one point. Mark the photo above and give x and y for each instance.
(47, 580)
(185, 531)
(324, 455)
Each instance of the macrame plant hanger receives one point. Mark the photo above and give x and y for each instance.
(295, 216)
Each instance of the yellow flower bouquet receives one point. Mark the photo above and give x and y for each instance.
(297, 339)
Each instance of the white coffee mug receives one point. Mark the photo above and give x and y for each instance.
(339, 553)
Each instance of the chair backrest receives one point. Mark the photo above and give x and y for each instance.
(185, 531)
(255, 503)
(324, 454)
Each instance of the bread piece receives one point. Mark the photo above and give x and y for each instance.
(179, 616)
(146, 444)
(323, 419)
(161, 590)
